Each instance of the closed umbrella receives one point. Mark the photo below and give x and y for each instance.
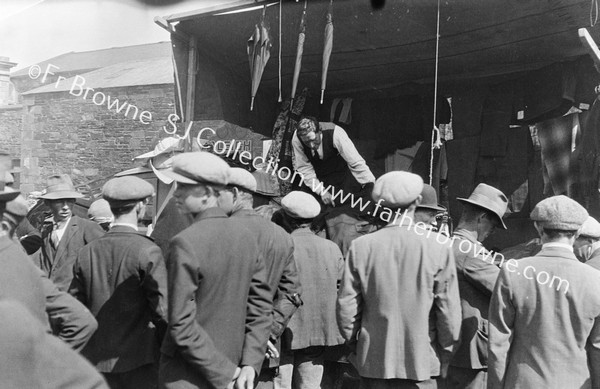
(259, 51)
(327, 47)
(299, 51)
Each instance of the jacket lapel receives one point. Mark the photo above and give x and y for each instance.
(71, 229)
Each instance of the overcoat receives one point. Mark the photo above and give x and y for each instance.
(399, 301)
(545, 324)
(121, 278)
(219, 304)
(58, 264)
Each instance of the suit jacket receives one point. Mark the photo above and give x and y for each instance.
(476, 278)
(219, 301)
(58, 265)
(399, 300)
(545, 324)
(20, 280)
(320, 267)
(121, 278)
(69, 319)
(277, 250)
(32, 358)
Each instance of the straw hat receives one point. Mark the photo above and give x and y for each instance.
(489, 198)
(60, 186)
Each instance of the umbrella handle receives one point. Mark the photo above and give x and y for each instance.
(252, 103)
(322, 94)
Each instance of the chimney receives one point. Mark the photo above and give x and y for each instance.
(7, 90)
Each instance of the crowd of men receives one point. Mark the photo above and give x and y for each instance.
(244, 301)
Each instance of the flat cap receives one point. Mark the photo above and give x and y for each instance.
(559, 213)
(198, 167)
(242, 178)
(590, 228)
(300, 205)
(397, 188)
(99, 211)
(126, 188)
(16, 209)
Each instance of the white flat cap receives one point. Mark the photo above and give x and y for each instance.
(397, 189)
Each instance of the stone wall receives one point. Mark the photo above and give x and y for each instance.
(63, 133)
(11, 118)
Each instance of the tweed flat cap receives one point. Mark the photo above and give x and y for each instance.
(590, 228)
(430, 199)
(490, 198)
(16, 209)
(99, 211)
(559, 213)
(198, 167)
(59, 187)
(300, 205)
(126, 188)
(242, 178)
(397, 188)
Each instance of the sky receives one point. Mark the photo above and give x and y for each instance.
(35, 30)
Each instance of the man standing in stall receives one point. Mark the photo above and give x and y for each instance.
(324, 155)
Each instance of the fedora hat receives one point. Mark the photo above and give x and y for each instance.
(60, 186)
(430, 200)
(489, 198)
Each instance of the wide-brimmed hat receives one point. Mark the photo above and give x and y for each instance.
(430, 199)
(60, 186)
(489, 198)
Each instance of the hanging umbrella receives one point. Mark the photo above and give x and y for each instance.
(259, 51)
(328, 45)
(299, 51)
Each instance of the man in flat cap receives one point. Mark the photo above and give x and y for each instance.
(99, 212)
(121, 278)
(66, 234)
(69, 320)
(398, 302)
(324, 155)
(586, 244)
(277, 250)
(482, 213)
(312, 331)
(220, 303)
(545, 311)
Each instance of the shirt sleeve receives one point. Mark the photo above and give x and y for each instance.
(356, 163)
(501, 323)
(304, 167)
(350, 300)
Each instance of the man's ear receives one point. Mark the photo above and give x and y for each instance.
(418, 200)
(538, 228)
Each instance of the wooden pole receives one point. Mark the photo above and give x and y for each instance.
(191, 87)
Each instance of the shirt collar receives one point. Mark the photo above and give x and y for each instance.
(559, 245)
(130, 225)
(466, 234)
(62, 224)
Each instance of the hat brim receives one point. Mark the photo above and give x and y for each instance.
(62, 194)
(486, 208)
(433, 207)
(178, 177)
(8, 196)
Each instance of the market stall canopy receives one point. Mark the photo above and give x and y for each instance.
(387, 48)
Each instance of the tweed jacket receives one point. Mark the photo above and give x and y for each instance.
(58, 264)
(476, 278)
(320, 267)
(121, 278)
(20, 280)
(219, 301)
(399, 301)
(545, 324)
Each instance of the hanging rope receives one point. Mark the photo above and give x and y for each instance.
(435, 134)
(280, 36)
(594, 13)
